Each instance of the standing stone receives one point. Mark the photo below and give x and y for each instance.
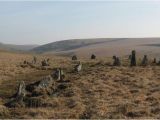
(116, 61)
(44, 63)
(93, 56)
(19, 97)
(34, 60)
(59, 74)
(144, 61)
(45, 82)
(158, 63)
(21, 92)
(25, 62)
(154, 61)
(78, 67)
(74, 57)
(114, 58)
(133, 58)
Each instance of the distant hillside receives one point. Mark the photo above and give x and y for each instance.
(17, 47)
(72, 44)
(156, 45)
(102, 47)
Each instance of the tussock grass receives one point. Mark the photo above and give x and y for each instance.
(98, 91)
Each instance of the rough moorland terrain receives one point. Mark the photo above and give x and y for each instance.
(103, 47)
(98, 91)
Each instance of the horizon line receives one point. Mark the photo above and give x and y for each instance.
(82, 39)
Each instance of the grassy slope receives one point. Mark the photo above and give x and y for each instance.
(103, 47)
(100, 91)
(12, 47)
(66, 45)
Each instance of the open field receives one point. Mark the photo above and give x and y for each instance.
(98, 91)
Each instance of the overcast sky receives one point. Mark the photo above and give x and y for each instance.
(44, 22)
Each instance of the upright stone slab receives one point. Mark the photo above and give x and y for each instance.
(116, 61)
(25, 62)
(45, 82)
(18, 98)
(59, 74)
(74, 57)
(21, 92)
(78, 67)
(34, 60)
(133, 58)
(144, 61)
(93, 56)
(154, 61)
(158, 63)
(45, 63)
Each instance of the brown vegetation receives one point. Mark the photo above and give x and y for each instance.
(100, 90)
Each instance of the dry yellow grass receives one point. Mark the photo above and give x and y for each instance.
(99, 90)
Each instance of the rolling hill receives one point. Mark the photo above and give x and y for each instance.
(67, 45)
(12, 47)
(103, 47)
